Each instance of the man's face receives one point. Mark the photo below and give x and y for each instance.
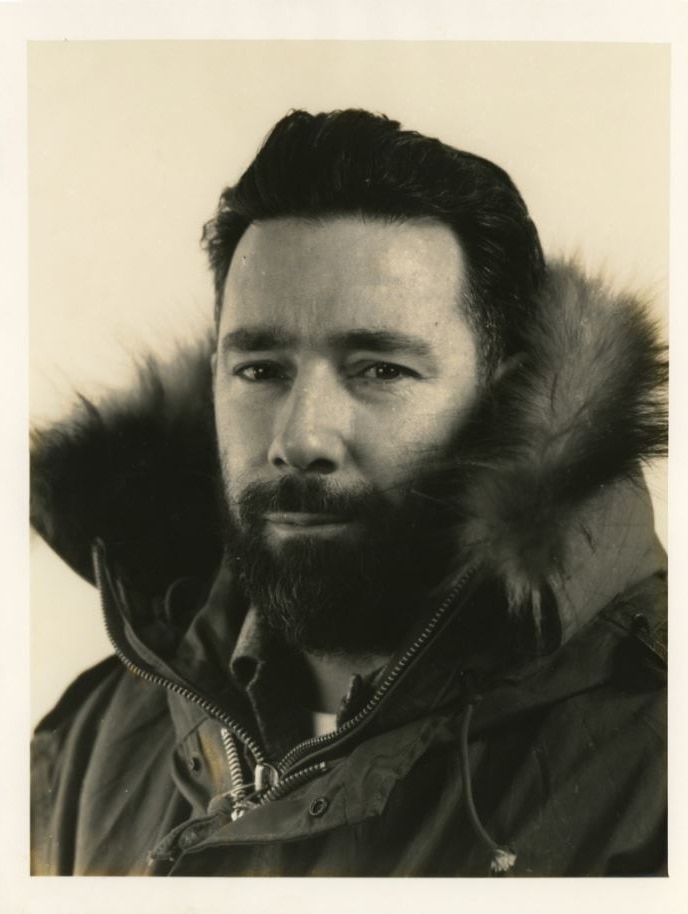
(345, 367)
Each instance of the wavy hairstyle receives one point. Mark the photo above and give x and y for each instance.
(353, 162)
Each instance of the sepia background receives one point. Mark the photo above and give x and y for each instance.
(130, 144)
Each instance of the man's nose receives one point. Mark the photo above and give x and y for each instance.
(309, 433)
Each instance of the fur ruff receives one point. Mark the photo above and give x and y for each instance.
(582, 408)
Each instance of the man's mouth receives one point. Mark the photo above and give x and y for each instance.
(307, 523)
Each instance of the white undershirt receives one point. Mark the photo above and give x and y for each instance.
(323, 723)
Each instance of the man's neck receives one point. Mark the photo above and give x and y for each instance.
(332, 676)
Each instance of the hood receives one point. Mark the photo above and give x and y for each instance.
(546, 496)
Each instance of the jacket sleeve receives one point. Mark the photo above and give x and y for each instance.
(60, 752)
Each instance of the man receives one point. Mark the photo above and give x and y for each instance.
(435, 642)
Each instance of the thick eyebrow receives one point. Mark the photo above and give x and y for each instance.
(384, 341)
(256, 339)
(267, 338)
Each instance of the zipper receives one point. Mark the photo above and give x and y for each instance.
(239, 795)
(286, 785)
(197, 698)
(233, 760)
(274, 782)
(299, 753)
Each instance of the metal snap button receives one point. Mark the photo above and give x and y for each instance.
(195, 764)
(319, 806)
(640, 623)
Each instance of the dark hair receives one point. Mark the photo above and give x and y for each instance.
(356, 163)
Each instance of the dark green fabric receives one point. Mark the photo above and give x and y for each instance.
(567, 766)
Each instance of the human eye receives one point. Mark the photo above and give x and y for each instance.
(385, 372)
(260, 372)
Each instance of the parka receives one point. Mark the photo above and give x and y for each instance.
(519, 729)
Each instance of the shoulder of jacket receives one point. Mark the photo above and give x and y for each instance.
(95, 684)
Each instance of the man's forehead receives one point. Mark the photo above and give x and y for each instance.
(347, 272)
(390, 247)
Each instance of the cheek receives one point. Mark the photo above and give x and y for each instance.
(243, 433)
(438, 428)
(394, 449)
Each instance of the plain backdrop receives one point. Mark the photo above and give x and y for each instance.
(130, 144)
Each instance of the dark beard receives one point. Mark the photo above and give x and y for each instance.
(356, 595)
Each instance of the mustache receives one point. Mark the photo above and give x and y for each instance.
(310, 495)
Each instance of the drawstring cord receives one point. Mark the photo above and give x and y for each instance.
(503, 858)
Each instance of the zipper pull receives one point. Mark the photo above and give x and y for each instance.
(241, 801)
(264, 777)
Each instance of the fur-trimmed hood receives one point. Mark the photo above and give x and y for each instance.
(548, 497)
